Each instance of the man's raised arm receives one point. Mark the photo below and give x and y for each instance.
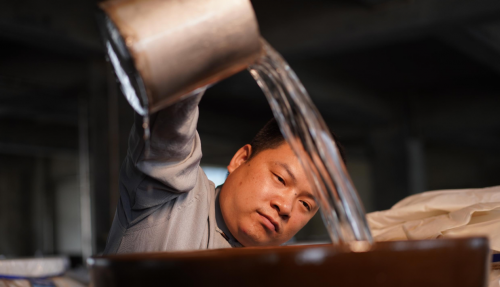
(171, 167)
(149, 183)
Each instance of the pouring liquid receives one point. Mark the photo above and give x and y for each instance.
(306, 132)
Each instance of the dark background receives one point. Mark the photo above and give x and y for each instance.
(410, 87)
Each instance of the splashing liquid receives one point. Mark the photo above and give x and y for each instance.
(304, 129)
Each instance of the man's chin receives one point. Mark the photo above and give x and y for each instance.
(249, 239)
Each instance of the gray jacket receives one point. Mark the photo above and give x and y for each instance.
(166, 201)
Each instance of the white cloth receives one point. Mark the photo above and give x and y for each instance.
(442, 213)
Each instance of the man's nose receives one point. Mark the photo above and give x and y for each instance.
(283, 204)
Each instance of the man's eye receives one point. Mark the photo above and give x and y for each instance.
(280, 179)
(306, 205)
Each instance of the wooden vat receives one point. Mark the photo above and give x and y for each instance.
(445, 262)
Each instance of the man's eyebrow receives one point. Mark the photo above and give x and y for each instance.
(310, 195)
(287, 169)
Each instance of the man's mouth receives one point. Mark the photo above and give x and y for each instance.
(269, 222)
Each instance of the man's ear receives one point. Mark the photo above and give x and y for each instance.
(240, 157)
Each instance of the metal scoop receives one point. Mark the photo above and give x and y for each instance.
(162, 50)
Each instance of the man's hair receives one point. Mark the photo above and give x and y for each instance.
(270, 137)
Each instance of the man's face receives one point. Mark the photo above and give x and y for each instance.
(266, 200)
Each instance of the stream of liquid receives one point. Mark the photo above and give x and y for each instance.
(309, 137)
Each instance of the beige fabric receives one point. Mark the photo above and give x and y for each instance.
(443, 213)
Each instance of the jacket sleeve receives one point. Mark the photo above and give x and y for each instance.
(171, 166)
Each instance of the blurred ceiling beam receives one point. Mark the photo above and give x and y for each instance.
(476, 112)
(35, 71)
(467, 138)
(480, 42)
(34, 134)
(34, 150)
(336, 96)
(43, 38)
(316, 29)
(65, 27)
(11, 112)
(462, 121)
(372, 2)
(342, 100)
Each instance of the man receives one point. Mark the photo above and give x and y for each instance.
(167, 203)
